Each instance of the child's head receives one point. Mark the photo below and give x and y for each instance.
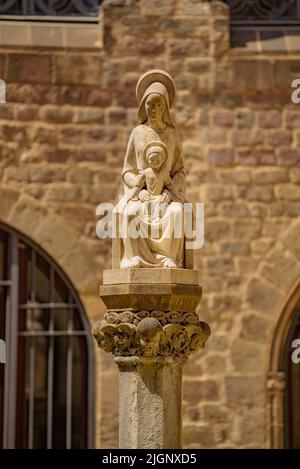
(155, 154)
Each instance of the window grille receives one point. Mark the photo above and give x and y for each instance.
(57, 10)
(46, 385)
(264, 12)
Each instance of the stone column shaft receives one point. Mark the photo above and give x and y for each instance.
(150, 402)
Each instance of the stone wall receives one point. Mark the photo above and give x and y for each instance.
(64, 131)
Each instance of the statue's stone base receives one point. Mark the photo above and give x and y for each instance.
(150, 402)
(151, 289)
(151, 312)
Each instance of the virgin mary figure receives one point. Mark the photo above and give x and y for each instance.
(160, 242)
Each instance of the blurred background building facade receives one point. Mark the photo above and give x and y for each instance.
(70, 74)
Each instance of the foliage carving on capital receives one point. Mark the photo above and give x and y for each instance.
(150, 337)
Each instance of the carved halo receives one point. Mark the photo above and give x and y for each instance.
(155, 143)
(154, 76)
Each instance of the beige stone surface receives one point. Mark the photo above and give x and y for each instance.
(149, 418)
(166, 297)
(151, 276)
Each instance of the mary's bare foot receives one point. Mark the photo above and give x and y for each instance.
(169, 264)
(133, 263)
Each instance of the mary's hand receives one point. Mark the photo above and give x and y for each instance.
(144, 195)
(166, 196)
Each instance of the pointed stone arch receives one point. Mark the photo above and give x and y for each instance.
(273, 293)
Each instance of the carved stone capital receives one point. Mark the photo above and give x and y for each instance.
(151, 336)
(151, 313)
(276, 381)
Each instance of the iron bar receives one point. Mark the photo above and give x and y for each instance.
(55, 8)
(262, 12)
(69, 382)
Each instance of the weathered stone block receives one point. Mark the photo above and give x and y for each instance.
(262, 297)
(245, 390)
(279, 137)
(28, 68)
(215, 192)
(288, 156)
(270, 176)
(220, 266)
(86, 69)
(247, 137)
(188, 47)
(269, 119)
(221, 156)
(236, 177)
(101, 98)
(198, 391)
(88, 116)
(244, 118)
(223, 117)
(246, 356)
(287, 191)
(249, 73)
(56, 114)
(255, 328)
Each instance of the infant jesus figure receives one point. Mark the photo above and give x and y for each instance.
(156, 177)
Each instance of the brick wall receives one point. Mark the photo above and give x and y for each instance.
(64, 132)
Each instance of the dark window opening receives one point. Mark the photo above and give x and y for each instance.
(63, 10)
(251, 12)
(46, 385)
(292, 388)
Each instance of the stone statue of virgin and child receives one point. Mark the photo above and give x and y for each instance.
(154, 181)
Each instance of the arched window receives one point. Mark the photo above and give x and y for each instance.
(292, 387)
(47, 383)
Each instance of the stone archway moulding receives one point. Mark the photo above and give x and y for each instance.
(276, 376)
